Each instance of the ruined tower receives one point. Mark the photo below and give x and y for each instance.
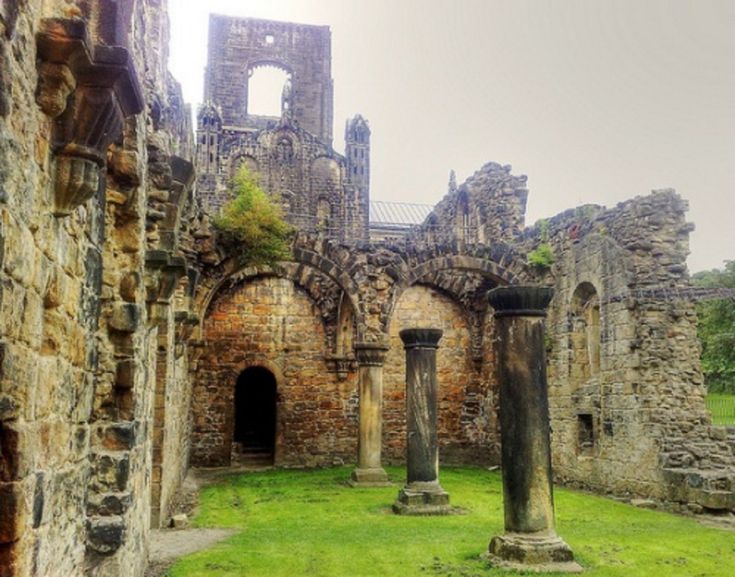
(238, 46)
(291, 154)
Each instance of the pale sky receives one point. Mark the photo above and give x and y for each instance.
(596, 101)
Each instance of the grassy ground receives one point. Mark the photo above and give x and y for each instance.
(722, 407)
(309, 523)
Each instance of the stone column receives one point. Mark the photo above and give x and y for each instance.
(422, 495)
(369, 471)
(530, 540)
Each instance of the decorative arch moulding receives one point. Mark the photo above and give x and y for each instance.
(88, 90)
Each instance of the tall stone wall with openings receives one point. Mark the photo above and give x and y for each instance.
(301, 321)
(239, 45)
(93, 135)
(626, 389)
(319, 189)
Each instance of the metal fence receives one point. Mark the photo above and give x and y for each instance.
(722, 408)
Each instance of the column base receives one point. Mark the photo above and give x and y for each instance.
(536, 552)
(422, 499)
(369, 478)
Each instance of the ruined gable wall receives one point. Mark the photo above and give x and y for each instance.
(237, 44)
(487, 208)
(642, 408)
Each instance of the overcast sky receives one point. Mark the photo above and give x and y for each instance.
(596, 101)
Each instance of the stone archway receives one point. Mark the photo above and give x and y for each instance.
(255, 417)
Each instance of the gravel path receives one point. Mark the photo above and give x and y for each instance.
(167, 545)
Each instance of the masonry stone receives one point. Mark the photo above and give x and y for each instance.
(131, 340)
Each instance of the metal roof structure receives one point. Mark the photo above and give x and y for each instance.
(398, 214)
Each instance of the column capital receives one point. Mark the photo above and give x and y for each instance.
(371, 354)
(520, 301)
(415, 338)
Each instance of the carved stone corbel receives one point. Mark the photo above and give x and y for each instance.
(165, 272)
(341, 365)
(179, 198)
(89, 90)
(185, 323)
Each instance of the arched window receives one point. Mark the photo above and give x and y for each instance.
(284, 150)
(585, 334)
(463, 217)
(266, 90)
(323, 212)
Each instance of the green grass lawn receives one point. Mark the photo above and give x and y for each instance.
(722, 407)
(309, 523)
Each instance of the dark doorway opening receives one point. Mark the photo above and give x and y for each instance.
(254, 438)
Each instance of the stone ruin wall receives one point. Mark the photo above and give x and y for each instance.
(80, 303)
(626, 389)
(264, 321)
(310, 181)
(319, 189)
(488, 208)
(269, 322)
(467, 427)
(238, 44)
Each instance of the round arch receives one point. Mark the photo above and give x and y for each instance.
(301, 257)
(482, 266)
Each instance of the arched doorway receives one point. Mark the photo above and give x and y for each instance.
(254, 437)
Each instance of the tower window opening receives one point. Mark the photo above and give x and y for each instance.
(267, 86)
(269, 39)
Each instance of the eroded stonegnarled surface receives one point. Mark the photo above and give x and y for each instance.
(125, 326)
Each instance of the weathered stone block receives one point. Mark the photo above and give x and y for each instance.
(106, 534)
(125, 373)
(14, 511)
(125, 317)
(110, 473)
(117, 436)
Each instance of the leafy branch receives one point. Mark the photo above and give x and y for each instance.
(252, 224)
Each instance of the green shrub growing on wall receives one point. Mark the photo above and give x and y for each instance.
(252, 224)
(542, 257)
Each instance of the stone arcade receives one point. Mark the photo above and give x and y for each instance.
(125, 328)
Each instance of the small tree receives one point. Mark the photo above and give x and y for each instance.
(542, 257)
(252, 224)
(716, 330)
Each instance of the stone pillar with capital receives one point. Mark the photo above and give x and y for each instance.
(530, 540)
(422, 495)
(369, 471)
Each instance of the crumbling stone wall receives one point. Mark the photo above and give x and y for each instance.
(85, 107)
(490, 206)
(355, 294)
(319, 189)
(626, 389)
(237, 45)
